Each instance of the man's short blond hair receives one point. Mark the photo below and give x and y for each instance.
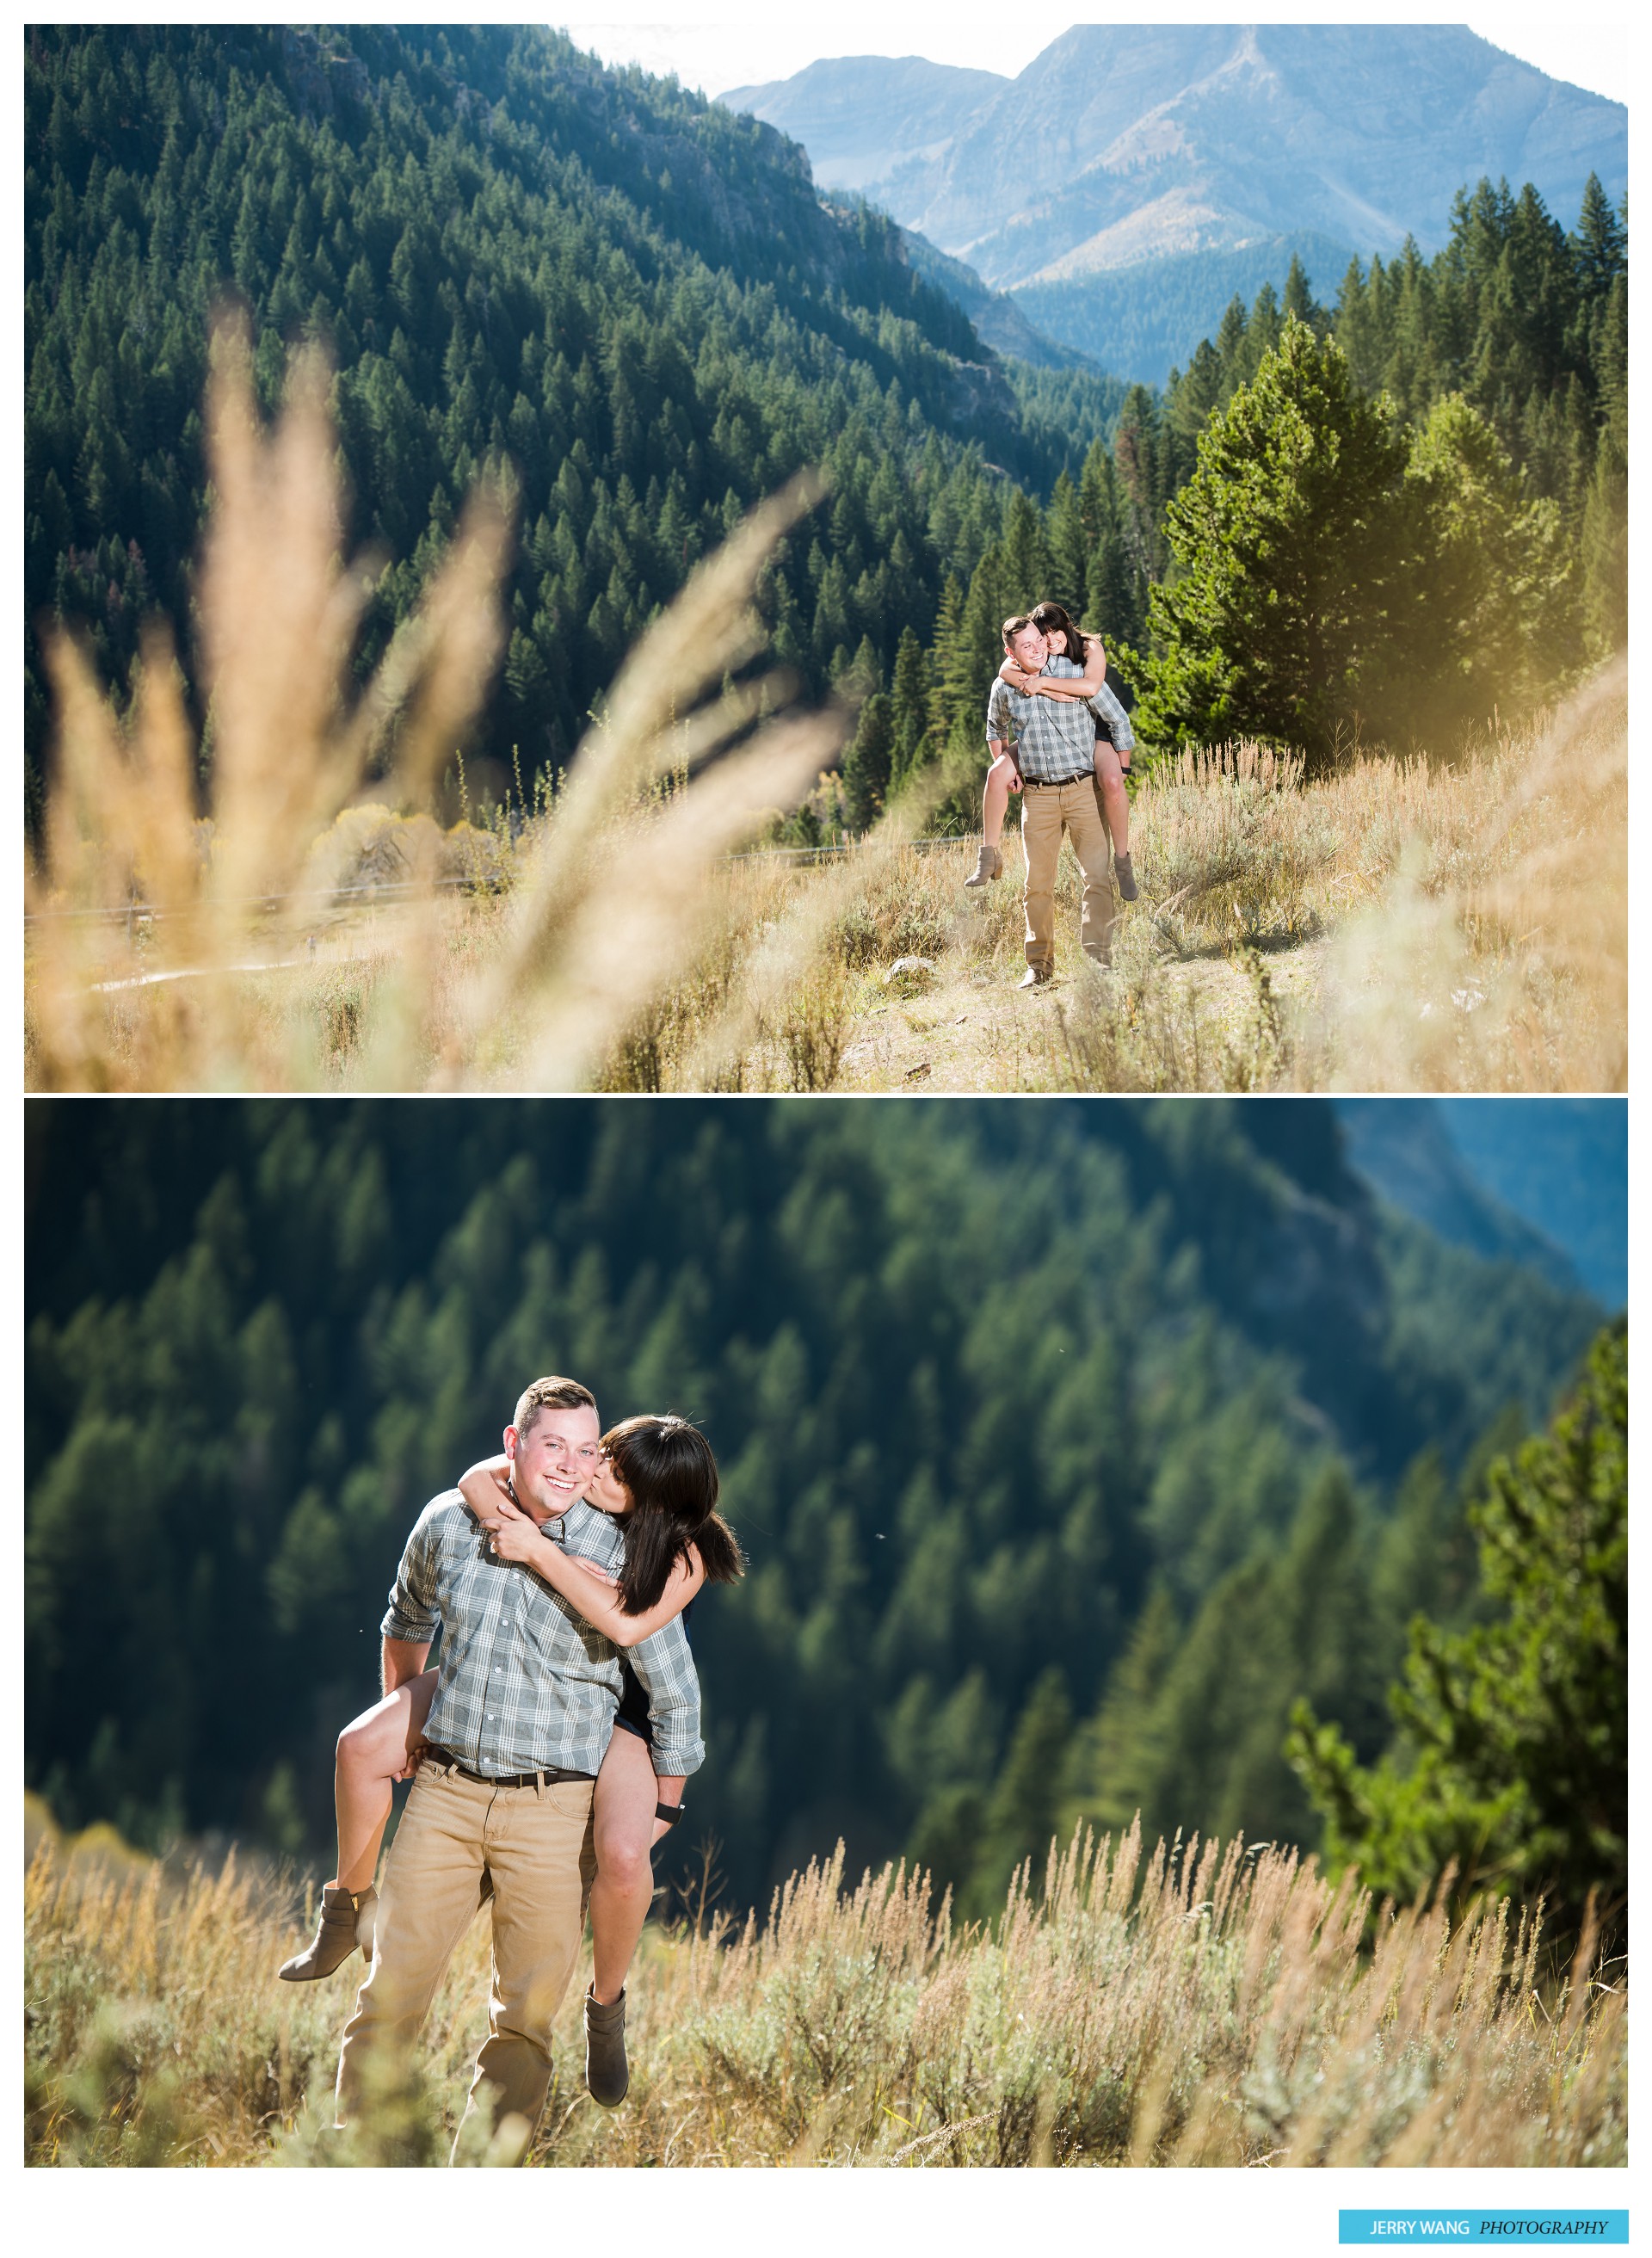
(1013, 627)
(551, 1394)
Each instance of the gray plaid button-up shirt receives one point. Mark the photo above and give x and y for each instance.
(1055, 736)
(525, 1680)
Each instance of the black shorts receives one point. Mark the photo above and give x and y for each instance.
(632, 1715)
(633, 1707)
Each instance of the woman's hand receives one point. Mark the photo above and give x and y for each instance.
(514, 1535)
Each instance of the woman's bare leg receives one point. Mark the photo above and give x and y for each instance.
(1109, 777)
(374, 1750)
(995, 801)
(624, 1830)
(995, 804)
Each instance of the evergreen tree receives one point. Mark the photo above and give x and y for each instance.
(1298, 297)
(868, 763)
(908, 702)
(1018, 1818)
(1067, 546)
(1600, 242)
(1513, 1764)
(1118, 1757)
(1606, 550)
(956, 695)
(1293, 544)
(1139, 453)
(1605, 539)
(1493, 578)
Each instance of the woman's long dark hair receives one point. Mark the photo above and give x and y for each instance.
(667, 1465)
(1052, 620)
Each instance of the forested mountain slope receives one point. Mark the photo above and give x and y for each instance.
(633, 299)
(1027, 1417)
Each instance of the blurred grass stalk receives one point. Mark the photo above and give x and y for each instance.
(614, 894)
(1213, 2005)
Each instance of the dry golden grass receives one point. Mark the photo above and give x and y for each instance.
(1212, 2006)
(1401, 925)
(1395, 927)
(1496, 953)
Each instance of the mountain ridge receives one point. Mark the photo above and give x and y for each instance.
(1224, 132)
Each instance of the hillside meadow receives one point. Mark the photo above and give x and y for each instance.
(1457, 923)
(1398, 926)
(1203, 2004)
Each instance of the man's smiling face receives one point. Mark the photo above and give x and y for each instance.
(1029, 650)
(554, 1458)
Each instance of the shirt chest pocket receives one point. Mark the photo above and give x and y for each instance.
(551, 1628)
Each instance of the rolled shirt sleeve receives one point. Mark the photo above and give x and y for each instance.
(665, 1665)
(412, 1613)
(999, 723)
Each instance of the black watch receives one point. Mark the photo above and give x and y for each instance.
(669, 1812)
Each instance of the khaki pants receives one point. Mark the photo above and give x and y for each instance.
(1047, 810)
(458, 1837)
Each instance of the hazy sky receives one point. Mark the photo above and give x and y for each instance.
(715, 48)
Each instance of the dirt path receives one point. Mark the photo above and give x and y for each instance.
(973, 1029)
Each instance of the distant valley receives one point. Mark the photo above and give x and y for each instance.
(1132, 179)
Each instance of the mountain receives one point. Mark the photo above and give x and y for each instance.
(1541, 1182)
(1122, 142)
(852, 112)
(1120, 145)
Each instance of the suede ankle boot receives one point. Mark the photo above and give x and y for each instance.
(346, 1924)
(607, 2073)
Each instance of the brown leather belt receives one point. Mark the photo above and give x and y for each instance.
(1056, 784)
(545, 1777)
